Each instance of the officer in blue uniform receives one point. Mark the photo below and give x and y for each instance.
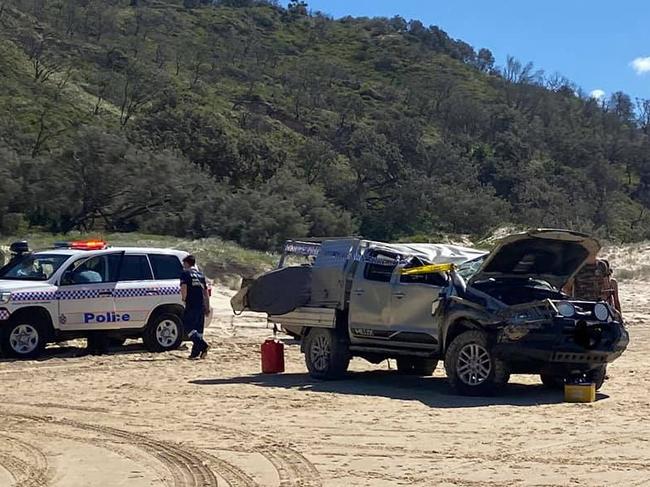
(194, 291)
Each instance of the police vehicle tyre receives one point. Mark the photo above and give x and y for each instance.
(597, 376)
(472, 369)
(327, 354)
(163, 333)
(23, 339)
(416, 366)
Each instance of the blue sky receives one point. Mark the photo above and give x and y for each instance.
(594, 43)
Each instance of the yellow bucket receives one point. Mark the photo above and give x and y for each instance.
(580, 392)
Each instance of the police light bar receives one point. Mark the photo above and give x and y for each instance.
(82, 245)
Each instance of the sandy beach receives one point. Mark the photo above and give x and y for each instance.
(136, 419)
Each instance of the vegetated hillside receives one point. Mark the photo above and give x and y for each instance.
(251, 122)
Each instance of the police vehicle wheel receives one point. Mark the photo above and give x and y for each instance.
(23, 339)
(327, 354)
(416, 366)
(472, 369)
(164, 332)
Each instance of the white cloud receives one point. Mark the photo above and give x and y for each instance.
(597, 94)
(641, 65)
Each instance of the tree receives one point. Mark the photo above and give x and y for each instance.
(485, 60)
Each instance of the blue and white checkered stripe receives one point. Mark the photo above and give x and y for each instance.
(169, 291)
(21, 297)
(4, 314)
(132, 293)
(33, 296)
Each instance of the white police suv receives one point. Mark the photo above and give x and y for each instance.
(86, 286)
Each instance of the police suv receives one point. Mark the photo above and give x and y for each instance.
(86, 286)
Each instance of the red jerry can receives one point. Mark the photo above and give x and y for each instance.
(272, 356)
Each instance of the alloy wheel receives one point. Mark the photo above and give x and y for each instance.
(320, 352)
(474, 364)
(23, 339)
(166, 333)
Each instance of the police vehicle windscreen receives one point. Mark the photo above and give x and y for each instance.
(35, 267)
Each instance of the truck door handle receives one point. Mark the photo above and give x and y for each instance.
(152, 292)
(399, 295)
(104, 294)
(359, 291)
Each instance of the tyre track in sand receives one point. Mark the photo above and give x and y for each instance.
(234, 476)
(292, 467)
(186, 468)
(33, 472)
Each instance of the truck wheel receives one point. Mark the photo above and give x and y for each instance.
(598, 376)
(23, 339)
(472, 369)
(327, 355)
(163, 333)
(416, 366)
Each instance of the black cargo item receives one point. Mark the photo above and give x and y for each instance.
(280, 291)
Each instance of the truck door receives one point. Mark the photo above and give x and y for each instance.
(414, 300)
(85, 293)
(369, 316)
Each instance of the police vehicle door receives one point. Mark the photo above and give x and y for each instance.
(136, 293)
(413, 302)
(85, 294)
(369, 319)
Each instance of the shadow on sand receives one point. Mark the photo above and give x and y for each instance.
(431, 391)
(71, 351)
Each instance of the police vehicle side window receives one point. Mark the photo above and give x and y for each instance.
(99, 269)
(165, 266)
(379, 266)
(135, 268)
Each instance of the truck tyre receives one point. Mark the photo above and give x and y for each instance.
(23, 338)
(597, 376)
(472, 369)
(327, 354)
(164, 332)
(416, 366)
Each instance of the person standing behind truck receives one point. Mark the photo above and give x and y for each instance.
(595, 282)
(194, 292)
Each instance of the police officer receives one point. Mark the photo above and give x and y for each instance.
(194, 291)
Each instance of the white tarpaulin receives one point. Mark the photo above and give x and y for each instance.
(435, 253)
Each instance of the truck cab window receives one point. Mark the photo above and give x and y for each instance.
(379, 266)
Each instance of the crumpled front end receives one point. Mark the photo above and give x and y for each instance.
(535, 337)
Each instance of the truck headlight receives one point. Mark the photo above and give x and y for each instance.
(5, 297)
(601, 311)
(566, 309)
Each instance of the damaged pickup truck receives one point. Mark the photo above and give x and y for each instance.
(486, 315)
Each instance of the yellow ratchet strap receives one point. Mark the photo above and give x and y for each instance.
(427, 269)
